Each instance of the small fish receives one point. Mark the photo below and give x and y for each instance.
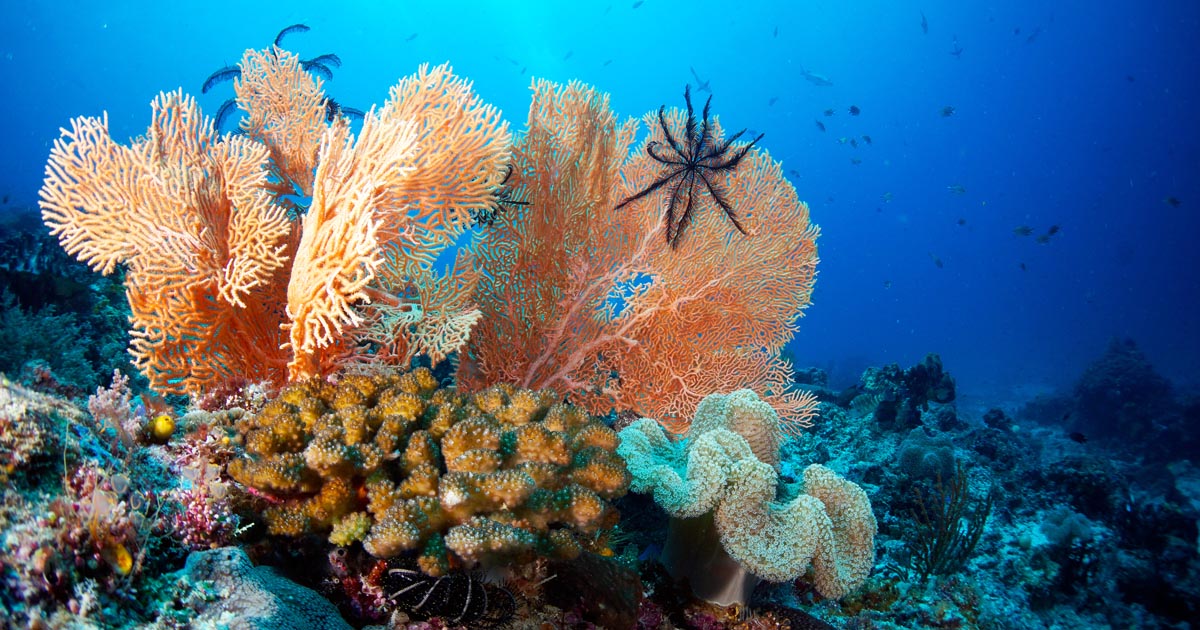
(411, 37)
(843, 140)
(701, 86)
(776, 33)
(924, 24)
(1022, 266)
(820, 125)
(5, 199)
(794, 173)
(867, 139)
(886, 197)
(1077, 437)
(606, 62)
(771, 101)
(1042, 239)
(957, 51)
(568, 55)
(856, 161)
(936, 261)
(818, 80)
(1022, 230)
(1016, 31)
(854, 110)
(1034, 35)
(887, 284)
(1174, 202)
(1054, 229)
(637, 4)
(829, 112)
(523, 69)
(961, 221)
(957, 189)
(947, 111)
(854, 142)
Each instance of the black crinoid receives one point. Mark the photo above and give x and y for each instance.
(691, 163)
(319, 65)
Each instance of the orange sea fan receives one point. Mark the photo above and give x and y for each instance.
(186, 213)
(591, 301)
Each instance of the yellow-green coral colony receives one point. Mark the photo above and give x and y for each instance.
(401, 465)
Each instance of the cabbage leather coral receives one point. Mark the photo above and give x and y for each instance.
(720, 485)
(501, 475)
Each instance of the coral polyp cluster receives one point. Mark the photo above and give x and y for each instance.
(394, 461)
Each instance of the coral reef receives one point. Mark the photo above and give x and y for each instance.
(397, 463)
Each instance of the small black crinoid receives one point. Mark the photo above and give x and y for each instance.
(691, 162)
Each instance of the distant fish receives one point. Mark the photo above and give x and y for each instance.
(867, 139)
(1174, 202)
(1130, 78)
(936, 261)
(771, 101)
(1034, 35)
(1022, 266)
(886, 197)
(701, 85)
(523, 69)
(1042, 239)
(794, 173)
(1023, 230)
(776, 33)
(5, 199)
(411, 37)
(1016, 31)
(957, 51)
(947, 111)
(606, 62)
(1076, 436)
(568, 55)
(957, 189)
(924, 24)
(854, 110)
(820, 125)
(961, 221)
(1054, 229)
(818, 80)
(637, 4)
(887, 284)
(854, 142)
(843, 140)
(856, 161)
(828, 112)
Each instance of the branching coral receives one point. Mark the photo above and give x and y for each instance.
(502, 474)
(725, 471)
(227, 279)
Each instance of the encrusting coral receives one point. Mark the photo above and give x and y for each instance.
(725, 470)
(500, 475)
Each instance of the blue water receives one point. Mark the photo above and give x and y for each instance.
(1077, 114)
